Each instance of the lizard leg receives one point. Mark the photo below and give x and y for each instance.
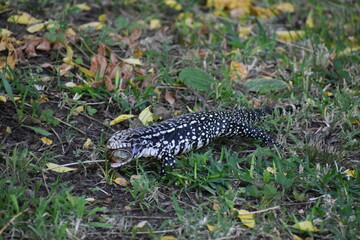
(167, 160)
(252, 132)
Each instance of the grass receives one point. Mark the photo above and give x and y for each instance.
(308, 182)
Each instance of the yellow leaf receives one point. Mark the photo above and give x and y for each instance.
(244, 5)
(132, 61)
(154, 23)
(46, 140)
(7, 130)
(270, 170)
(83, 6)
(84, 70)
(296, 237)
(2, 98)
(305, 226)
(121, 118)
(168, 238)
(283, 7)
(78, 110)
(87, 143)
(244, 32)
(95, 25)
(146, 116)
(70, 32)
(17, 98)
(309, 20)
(4, 32)
(69, 55)
(246, 217)
(289, 36)
(211, 227)
(350, 173)
(216, 206)
(102, 18)
(329, 94)
(173, 4)
(35, 28)
(58, 168)
(24, 18)
(237, 71)
(355, 122)
(121, 181)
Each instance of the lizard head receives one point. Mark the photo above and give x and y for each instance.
(122, 147)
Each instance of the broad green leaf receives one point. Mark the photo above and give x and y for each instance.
(39, 130)
(196, 78)
(263, 85)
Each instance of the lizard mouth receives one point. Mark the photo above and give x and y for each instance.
(119, 157)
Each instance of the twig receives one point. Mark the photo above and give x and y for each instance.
(77, 163)
(12, 220)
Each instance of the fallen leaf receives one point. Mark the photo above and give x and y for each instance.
(283, 7)
(121, 118)
(305, 226)
(238, 71)
(3, 98)
(4, 32)
(244, 32)
(173, 4)
(154, 24)
(90, 199)
(216, 206)
(78, 110)
(46, 140)
(87, 143)
(83, 6)
(296, 237)
(168, 238)
(70, 84)
(146, 116)
(169, 97)
(23, 18)
(102, 18)
(95, 25)
(121, 181)
(290, 36)
(211, 227)
(132, 61)
(270, 170)
(58, 168)
(329, 94)
(246, 217)
(350, 173)
(309, 20)
(35, 28)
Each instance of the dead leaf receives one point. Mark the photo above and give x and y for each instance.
(173, 4)
(283, 7)
(90, 199)
(102, 18)
(290, 36)
(211, 227)
(305, 226)
(132, 61)
(70, 84)
(169, 97)
(35, 28)
(309, 20)
(3, 99)
(87, 143)
(23, 18)
(46, 140)
(121, 181)
(58, 168)
(44, 45)
(350, 173)
(245, 217)
(146, 116)
(5, 33)
(154, 23)
(94, 25)
(244, 32)
(121, 118)
(83, 6)
(78, 110)
(238, 71)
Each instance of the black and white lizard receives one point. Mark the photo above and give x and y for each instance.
(181, 134)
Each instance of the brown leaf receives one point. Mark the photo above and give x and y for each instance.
(135, 34)
(169, 97)
(44, 45)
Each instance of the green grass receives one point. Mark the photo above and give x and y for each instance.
(305, 183)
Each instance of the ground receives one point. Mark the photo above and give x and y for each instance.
(174, 57)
